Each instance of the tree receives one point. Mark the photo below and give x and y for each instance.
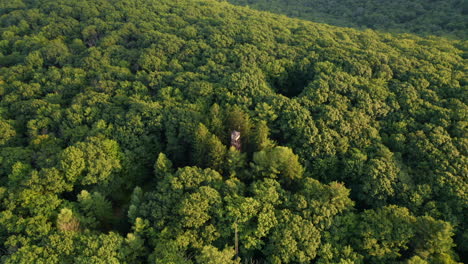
(236, 164)
(433, 240)
(135, 202)
(278, 162)
(293, 239)
(96, 209)
(67, 222)
(216, 121)
(6, 131)
(56, 53)
(162, 167)
(208, 149)
(92, 161)
(212, 255)
(260, 136)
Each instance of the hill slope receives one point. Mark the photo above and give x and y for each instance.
(439, 17)
(115, 118)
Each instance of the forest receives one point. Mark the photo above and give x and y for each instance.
(446, 18)
(115, 137)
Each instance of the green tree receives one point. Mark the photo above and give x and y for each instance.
(7, 132)
(67, 222)
(278, 162)
(92, 161)
(96, 209)
(208, 149)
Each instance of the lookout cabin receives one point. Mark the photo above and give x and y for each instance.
(235, 139)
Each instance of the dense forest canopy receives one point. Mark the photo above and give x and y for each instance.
(424, 17)
(115, 124)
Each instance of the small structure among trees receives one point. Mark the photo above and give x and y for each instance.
(235, 139)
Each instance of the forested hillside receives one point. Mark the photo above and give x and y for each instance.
(115, 126)
(424, 17)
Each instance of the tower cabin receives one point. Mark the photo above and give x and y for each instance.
(235, 139)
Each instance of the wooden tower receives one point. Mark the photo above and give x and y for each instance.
(236, 139)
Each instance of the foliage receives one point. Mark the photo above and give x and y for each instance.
(445, 18)
(115, 124)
